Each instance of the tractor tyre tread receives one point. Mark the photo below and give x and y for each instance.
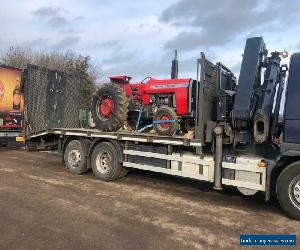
(172, 115)
(121, 103)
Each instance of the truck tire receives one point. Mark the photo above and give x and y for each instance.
(74, 158)
(109, 107)
(105, 163)
(288, 190)
(165, 113)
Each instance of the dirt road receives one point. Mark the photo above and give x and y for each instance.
(44, 207)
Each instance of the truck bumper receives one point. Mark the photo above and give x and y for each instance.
(11, 137)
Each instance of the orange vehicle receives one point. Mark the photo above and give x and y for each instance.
(11, 105)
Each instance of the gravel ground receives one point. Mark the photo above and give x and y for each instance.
(44, 207)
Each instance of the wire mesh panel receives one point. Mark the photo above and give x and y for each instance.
(55, 99)
(72, 102)
(35, 92)
(52, 99)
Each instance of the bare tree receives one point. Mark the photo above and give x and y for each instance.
(17, 57)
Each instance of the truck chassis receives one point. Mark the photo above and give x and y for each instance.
(248, 173)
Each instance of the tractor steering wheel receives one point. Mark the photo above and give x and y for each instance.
(143, 81)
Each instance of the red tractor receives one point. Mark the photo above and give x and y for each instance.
(168, 104)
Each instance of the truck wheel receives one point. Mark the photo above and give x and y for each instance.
(288, 190)
(105, 163)
(165, 113)
(74, 158)
(109, 107)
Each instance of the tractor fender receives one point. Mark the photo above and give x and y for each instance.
(116, 144)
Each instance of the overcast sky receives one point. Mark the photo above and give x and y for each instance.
(137, 38)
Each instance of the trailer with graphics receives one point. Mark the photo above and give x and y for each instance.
(237, 140)
(11, 105)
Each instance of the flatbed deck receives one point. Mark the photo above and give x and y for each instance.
(174, 161)
(119, 135)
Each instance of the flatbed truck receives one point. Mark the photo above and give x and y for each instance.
(251, 149)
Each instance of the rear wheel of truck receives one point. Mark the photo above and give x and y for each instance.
(74, 158)
(288, 190)
(109, 107)
(105, 163)
(168, 114)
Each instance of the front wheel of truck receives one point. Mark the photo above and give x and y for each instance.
(288, 190)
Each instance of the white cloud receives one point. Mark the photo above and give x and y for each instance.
(136, 36)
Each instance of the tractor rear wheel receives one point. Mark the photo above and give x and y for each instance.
(109, 107)
(165, 113)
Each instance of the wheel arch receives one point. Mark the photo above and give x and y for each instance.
(272, 176)
(65, 140)
(115, 143)
(84, 141)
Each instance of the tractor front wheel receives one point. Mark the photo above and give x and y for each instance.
(165, 114)
(109, 107)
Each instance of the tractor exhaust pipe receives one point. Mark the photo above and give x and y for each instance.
(174, 69)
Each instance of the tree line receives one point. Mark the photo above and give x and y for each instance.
(66, 62)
